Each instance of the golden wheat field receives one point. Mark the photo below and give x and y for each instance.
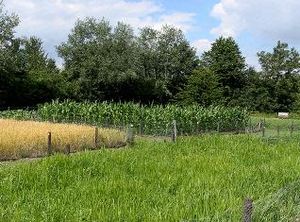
(29, 139)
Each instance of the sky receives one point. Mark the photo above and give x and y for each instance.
(256, 25)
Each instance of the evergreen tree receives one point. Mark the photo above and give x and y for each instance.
(225, 60)
(203, 88)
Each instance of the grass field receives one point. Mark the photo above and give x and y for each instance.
(196, 179)
(282, 128)
(28, 139)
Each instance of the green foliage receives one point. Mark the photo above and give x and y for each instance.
(19, 114)
(279, 77)
(27, 75)
(281, 62)
(202, 88)
(42, 76)
(256, 95)
(280, 206)
(276, 87)
(106, 63)
(154, 119)
(8, 60)
(177, 58)
(7, 25)
(225, 60)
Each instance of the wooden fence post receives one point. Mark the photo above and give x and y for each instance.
(96, 137)
(263, 131)
(49, 144)
(140, 129)
(130, 136)
(174, 131)
(68, 149)
(248, 208)
(292, 128)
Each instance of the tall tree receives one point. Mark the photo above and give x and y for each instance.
(148, 52)
(281, 69)
(86, 58)
(150, 86)
(203, 88)
(98, 58)
(282, 62)
(106, 63)
(25, 69)
(9, 46)
(124, 57)
(256, 95)
(166, 61)
(8, 22)
(226, 61)
(177, 59)
(43, 79)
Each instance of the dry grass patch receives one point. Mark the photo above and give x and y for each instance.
(28, 139)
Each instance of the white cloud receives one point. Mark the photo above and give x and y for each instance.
(184, 21)
(231, 22)
(271, 19)
(202, 45)
(52, 20)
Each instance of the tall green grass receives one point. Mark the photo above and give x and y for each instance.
(196, 179)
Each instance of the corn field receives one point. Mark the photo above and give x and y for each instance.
(154, 119)
(149, 120)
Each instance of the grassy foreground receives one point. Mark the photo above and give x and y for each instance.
(196, 179)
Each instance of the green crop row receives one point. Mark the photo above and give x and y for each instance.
(19, 114)
(153, 119)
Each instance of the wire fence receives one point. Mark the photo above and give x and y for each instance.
(280, 206)
(268, 129)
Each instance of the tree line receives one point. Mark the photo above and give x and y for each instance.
(103, 62)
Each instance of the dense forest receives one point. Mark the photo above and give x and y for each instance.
(103, 62)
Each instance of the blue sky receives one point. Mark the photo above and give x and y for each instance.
(256, 25)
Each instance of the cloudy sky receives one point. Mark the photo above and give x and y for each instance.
(255, 24)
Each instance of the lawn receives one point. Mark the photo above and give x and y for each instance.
(196, 179)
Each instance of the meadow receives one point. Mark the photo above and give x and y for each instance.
(28, 139)
(197, 178)
(202, 178)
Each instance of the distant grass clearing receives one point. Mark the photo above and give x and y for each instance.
(28, 139)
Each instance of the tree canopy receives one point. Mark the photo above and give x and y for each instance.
(25, 69)
(112, 63)
(226, 61)
(115, 62)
